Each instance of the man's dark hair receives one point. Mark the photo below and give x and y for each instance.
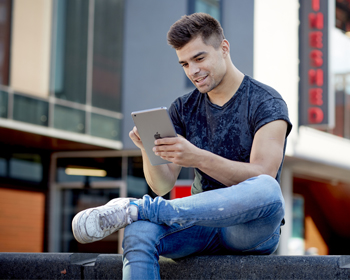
(194, 25)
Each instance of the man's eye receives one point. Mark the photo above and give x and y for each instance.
(184, 65)
(200, 58)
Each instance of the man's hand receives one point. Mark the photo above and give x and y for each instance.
(161, 178)
(135, 137)
(177, 150)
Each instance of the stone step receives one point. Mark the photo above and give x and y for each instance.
(109, 266)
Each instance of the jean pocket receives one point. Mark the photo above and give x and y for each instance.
(265, 248)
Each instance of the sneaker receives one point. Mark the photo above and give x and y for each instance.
(94, 224)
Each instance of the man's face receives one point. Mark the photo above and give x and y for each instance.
(203, 64)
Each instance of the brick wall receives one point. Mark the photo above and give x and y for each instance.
(21, 221)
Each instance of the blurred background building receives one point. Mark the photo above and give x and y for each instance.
(72, 71)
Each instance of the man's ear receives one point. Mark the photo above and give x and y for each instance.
(225, 47)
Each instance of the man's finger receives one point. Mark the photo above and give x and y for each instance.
(163, 148)
(135, 131)
(166, 141)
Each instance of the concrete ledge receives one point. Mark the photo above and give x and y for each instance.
(109, 266)
(38, 266)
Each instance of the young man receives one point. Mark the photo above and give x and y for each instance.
(233, 132)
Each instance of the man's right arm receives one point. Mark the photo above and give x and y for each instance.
(161, 178)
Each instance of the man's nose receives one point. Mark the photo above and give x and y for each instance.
(193, 69)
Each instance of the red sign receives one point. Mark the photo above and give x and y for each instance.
(313, 90)
(316, 75)
(180, 191)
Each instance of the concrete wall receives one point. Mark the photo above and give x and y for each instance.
(238, 24)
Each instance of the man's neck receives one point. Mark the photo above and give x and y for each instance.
(228, 86)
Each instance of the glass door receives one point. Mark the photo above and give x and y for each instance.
(74, 200)
(81, 180)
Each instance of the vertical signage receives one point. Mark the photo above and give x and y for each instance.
(314, 66)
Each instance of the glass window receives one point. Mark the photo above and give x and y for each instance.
(136, 182)
(3, 167)
(347, 106)
(105, 127)
(296, 242)
(211, 7)
(3, 104)
(69, 119)
(107, 57)
(5, 31)
(71, 50)
(26, 167)
(342, 15)
(340, 49)
(112, 168)
(339, 106)
(30, 110)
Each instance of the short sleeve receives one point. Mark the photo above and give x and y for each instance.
(270, 110)
(174, 112)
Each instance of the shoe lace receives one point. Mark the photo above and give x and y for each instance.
(113, 218)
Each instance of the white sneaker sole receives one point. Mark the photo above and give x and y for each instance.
(77, 230)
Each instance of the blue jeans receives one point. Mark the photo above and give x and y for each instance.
(241, 219)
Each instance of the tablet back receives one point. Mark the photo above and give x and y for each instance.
(153, 124)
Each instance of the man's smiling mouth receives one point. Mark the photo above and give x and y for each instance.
(200, 80)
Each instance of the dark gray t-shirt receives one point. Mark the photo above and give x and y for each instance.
(227, 130)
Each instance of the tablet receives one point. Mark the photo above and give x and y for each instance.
(153, 124)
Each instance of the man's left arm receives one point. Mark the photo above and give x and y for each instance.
(265, 157)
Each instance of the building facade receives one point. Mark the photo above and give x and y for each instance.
(72, 71)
